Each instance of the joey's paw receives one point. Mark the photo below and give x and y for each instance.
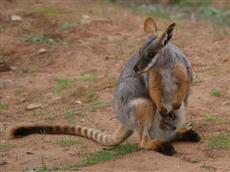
(166, 148)
(176, 105)
(163, 111)
(192, 136)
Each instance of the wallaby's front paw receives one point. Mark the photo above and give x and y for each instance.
(176, 105)
(192, 136)
(163, 111)
(166, 148)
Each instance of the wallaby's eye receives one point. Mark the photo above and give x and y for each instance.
(150, 55)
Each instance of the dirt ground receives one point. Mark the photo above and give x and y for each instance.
(86, 46)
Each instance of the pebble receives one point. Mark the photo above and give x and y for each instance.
(33, 106)
(16, 18)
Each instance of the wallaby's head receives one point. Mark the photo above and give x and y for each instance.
(149, 53)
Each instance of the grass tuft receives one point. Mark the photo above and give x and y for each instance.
(67, 142)
(48, 11)
(67, 26)
(6, 147)
(44, 39)
(70, 116)
(88, 78)
(104, 155)
(63, 84)
(3, 106)
(216, 93)
(94, 106)
(221, 141)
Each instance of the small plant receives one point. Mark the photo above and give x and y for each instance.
(6, 147)
(67, 142)
(44, 39)
(91, 96)
(211, 119)
(67, 26)
(63, 84)
(70, 116)
(1, 29)
(216, 93)
(221, 141)
(104, 155)
(94, 106)
(3, 106)
(48, 11)
(88, 78)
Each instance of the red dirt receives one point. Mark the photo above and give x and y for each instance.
(101, 46)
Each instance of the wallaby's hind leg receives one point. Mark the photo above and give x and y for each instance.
(187, 135)
(119, 136)
(145, 111)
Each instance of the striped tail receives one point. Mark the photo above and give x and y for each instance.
(119, 136)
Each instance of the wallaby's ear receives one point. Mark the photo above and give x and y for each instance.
(150, 26)
(168, 34)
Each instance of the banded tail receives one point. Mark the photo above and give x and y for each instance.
(119, 136)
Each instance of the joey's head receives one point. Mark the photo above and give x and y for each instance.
(149, 54)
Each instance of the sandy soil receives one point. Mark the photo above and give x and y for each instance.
(103, 38)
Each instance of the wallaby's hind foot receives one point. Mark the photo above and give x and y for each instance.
(187, 135)
(161, 146)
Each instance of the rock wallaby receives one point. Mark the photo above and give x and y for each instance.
(151, 98)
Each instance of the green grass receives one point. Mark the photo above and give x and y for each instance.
(44, 39)
(94, 106)
(67, 26)
(3, 106)
(194, 3)
(6, 147)
(103, 156)
(40, 169)
(62, 84)
(91, 96)
(211, 119)
(48, 11)
(88, 78)
(216, 93)
(70, 116)
(219, 142)
(2, 29)
(66, 142)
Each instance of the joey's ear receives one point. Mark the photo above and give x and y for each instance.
(150, 26)
(168, 34)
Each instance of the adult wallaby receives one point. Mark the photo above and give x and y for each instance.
(151, 99)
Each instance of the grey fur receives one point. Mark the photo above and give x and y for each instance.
(133, 87)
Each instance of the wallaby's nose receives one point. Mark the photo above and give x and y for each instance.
(135, 68)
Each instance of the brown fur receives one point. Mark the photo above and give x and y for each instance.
(155, 91)
(180, 73)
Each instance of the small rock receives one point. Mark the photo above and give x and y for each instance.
(82, 120)
(16, 18)
(33, 106)
(226, 103)
(3, 163)
(85, 19)
(29, 153)
(4, 66)
(78, 102)
(3, 141)
(41, 51)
